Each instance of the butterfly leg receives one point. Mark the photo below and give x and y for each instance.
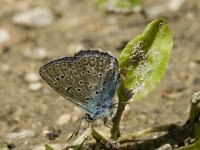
(107, 123)
(77, 128)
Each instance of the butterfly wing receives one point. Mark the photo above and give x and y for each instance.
(100, 74)
(88, 79)
(57, 75)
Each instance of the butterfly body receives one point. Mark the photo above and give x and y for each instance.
(88, 80)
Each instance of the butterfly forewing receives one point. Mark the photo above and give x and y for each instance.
(56, 74)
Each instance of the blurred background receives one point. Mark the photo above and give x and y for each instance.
(35, 32)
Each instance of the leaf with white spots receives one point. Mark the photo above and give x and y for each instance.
(144, 60)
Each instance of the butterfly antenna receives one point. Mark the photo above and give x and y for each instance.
(77, 128)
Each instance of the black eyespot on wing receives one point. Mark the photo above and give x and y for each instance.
(80, 82)
(68, 88)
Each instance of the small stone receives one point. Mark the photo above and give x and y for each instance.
(4, 35)
(175, 5)
(37, 17)
(21, 134)
(5, 68)
(192, 64)
(31, 77)
(35, 86)
(63, 119)
(41, 53)
(38, 53)
(157, 10)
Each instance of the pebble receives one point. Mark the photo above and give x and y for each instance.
(163, 9)
(156, 11)
(36, 17)
(35, 86)
(4, 35)
(63, 119)
(31, 77)
(192, 65)
(21, 135)
(5, 68)
(175, 5)
(42, 147)
(37, 54)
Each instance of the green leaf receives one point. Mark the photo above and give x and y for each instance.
(124, 6)
(47, 147)
(144, 60)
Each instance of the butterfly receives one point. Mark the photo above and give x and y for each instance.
(88, 80)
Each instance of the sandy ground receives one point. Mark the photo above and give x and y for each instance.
(80, 25)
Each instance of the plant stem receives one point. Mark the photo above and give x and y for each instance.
(195, 110)
(115, 132)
